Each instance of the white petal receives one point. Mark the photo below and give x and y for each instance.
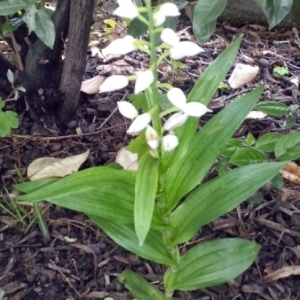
(120, 46)
(127, 110)
(195, 109)
(169, 142)
(143, 81)
(175, 121)
(140, 123)
(184, 49)
(169, 36)
(126, 9)
(159, 19)
(177, 97)
(113, 83)
(152, 137)
(169, 10)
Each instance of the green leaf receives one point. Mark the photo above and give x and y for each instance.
(288, 147)
(211, 263)
(31, 186)
(290, 122)
(250, 140)
(205, 17)
(44, 28)
(145, 192)
(248, 156)
(272, 108)
(8, 120)
(268, 141)
(29, 18)
(139, 145)
(281, 71)
(11, 7)
(256, 198)
(124, 235)
(203, 91)
(100, 191)
(205, 147)
(231, 147)
(217, 197)
(137, 28)
(277, 181)
(140, 288)
(274, 10)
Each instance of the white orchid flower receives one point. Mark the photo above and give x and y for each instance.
(152, 137)
(183, 49)
(175, 121)
(169, 142)
(143, 81)
(168, 10)
(126, 9)
(113, 83)
(159, 19)
(120, 46)
(127, 110)
(190, 109)
(139, 124)
(169, 36)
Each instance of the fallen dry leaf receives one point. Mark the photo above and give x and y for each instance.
(256, 115)
(291, 172)
(127, 159)
(283, 272)
(49, 167)
(241, 75)
(91, 86)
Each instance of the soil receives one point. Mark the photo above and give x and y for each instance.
(32, 267)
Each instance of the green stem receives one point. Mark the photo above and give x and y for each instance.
(153, 93)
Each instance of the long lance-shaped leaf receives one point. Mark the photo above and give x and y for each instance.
(145, 192)
(203, 91)
(140, 288)
(185, 174)
(217, 197)
(102, 191)
(211, 263)
(124, 235)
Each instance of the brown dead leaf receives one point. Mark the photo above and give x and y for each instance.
(50, 167)
(282, 273)
(291, 172)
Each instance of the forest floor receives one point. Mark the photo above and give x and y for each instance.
(32, 268)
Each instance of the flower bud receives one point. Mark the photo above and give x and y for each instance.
(169, 10)
(177, 98)
(169, 36)
(183, 49)
(113, 83)
(139, 124)
(121, 46)
(152, 137)
(143, 81)
(159, 19)
(126, 9)
(169, 142)
(127, 110)
(195, 109)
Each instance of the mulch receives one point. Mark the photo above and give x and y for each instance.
(32, 267)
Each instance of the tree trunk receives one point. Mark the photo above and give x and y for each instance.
(75, 62)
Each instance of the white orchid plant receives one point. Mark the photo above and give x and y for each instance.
(156, 210)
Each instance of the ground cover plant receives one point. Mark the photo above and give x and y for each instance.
(164, 204)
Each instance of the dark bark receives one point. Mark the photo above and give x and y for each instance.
(75, 62)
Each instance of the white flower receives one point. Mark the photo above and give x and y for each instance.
(195, 109)
(127, 110)
(126, 9)
(169, 36)
(177, 98)
(120, 46)
(113, 83)
(143, 81)
(169, 10)
(159, 19)
(152, 137)
(184, 49)
(139, 124)
(175, 121)
(169, 142)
